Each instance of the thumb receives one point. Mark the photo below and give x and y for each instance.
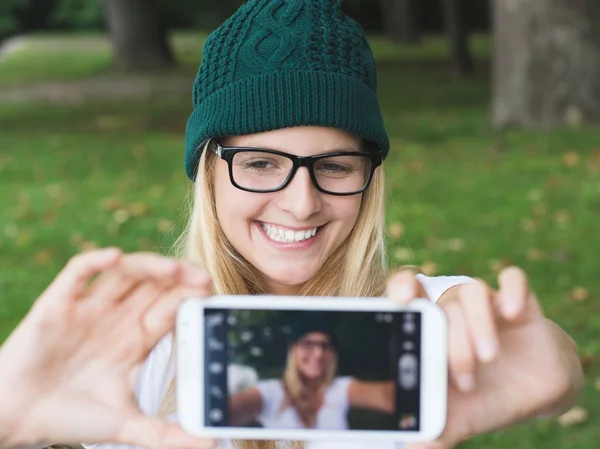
(427, 445)
(155, 433)
(403, 287)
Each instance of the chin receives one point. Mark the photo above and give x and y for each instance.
(291, 278)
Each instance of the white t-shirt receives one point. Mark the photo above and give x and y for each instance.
(157, 373)
(331, 415)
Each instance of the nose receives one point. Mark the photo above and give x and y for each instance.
(300, 197)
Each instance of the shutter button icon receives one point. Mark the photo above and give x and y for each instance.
(408, 371)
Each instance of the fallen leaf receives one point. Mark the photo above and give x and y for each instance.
(562, 217)
(121, 216)
(156, 191)
(497, 265)
(396, 230)
(456, 244)
(528, 225)
(88, 246)
(431, 242)
(144, 244)
(576, 415)
(165, 226)
(535, 254)
(23, 199)
(429, 268)
(138, 152)
(562, 255)
(76, 239)
(579, 294)
(54, 190)
(138, 209)
(586, 361)
(535, 195)
(43, 257)
(571, 159)
(111, 203)
(416, 165)
(23, 238)
(403, 254)
(539, 210)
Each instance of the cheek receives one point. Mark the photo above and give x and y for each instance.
(345, 211)
(235, 208)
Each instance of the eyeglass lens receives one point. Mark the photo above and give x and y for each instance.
(266, 171)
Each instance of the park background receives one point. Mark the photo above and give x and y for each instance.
(492, 110)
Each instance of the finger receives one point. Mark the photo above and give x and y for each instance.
(426, 445)
(477, 305)
(78, 272)
(160, 317)
(514, 292)
(140, 267)
(193, 275)
(403, 287)
(461, 360)
(155, 433)
(134, 268)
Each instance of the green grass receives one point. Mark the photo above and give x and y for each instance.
(469, 199)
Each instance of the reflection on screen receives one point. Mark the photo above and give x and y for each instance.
(324, 370)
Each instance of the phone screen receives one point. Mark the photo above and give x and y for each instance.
(297, 369)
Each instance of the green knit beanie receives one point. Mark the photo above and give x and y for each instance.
(282, 63)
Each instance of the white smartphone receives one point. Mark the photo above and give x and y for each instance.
(246, 365)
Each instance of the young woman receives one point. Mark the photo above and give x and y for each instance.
(285, 147)
(309, 394)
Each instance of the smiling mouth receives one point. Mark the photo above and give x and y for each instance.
(284, 235)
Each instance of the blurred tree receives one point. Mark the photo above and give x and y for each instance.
(9, 22)
(401, 20)
(78, 14)
(546, 62)
(454, 19)
(139, 35)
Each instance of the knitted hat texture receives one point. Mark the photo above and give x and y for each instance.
(282, 63)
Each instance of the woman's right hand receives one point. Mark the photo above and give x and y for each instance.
(68, 371)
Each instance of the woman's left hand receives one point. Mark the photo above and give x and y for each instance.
(507, 362)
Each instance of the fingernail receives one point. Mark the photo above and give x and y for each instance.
(510, 309)
(465, 382)
(486, 350)
(403, 293)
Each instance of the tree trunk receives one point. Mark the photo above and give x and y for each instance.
(546, 62)
(401, 20)
(138, 35)
(462, 61)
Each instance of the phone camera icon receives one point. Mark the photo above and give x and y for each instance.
(215, 368)
(215, 344)
(408, 371)
(215, 320)
(409, 327)
(216, 415)
(407, 422)
(217, 392)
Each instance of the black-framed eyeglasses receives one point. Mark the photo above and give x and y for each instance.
(311, 345)
(261, 170)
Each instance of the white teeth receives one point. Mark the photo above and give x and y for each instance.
(286, 235)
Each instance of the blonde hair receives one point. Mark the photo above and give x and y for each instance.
(297, 394)
(357, 268)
